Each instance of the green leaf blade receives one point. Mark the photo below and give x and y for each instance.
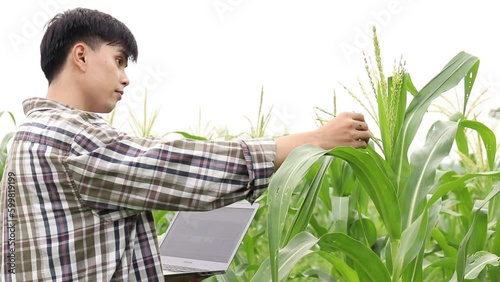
(280, 188)
(458, 67)
(368, 262)
(424, 163)
(378, 185)
(293, 252)
(488, 137)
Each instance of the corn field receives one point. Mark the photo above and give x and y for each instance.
(385, 213)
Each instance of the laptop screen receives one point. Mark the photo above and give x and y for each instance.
(210, 235)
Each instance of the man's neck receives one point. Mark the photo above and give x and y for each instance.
(65, 93)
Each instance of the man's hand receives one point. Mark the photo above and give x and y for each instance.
(346, 129)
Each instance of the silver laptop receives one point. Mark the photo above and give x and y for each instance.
(205, 243)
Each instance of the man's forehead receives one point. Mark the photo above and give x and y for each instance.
(119, 48)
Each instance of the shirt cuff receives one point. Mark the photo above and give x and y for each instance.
(260, 155)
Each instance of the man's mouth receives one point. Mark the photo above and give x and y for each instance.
(121, 94)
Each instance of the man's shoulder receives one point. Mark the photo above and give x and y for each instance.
(50, 120)
(52, 112)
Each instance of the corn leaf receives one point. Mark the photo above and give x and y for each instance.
(478, 261)
(389, 260)
(424, 163)
(187, 135)
(161, 221)
(449, 186)
(378, 185)
(340, 214)
(495, 248)
(229, 276)
(411, 247)
(10, 114)
(325, 193)
(469, 79)
(318, 274)
(360, 200)
(363, 230)
(488, 137)
(341, 177)
(366, 260)
(249, 248)
(341, 266)
(461, 65)
(461, 141)
(4, 151)
(292, 253)
(449, 251)
(303, 215)
(280, 189)
(445, 263)
(480, 221)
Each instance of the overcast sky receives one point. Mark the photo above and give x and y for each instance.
(215, 55)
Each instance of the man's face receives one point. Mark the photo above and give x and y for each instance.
(105, 78)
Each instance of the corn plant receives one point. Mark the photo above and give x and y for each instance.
(258, 129)
(413, 199)
(476, 149)
(144, 126)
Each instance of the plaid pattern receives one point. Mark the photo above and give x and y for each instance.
(84, 193)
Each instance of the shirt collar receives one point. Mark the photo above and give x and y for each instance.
(42, 104)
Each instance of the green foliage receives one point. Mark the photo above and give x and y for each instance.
(144, 127)
(4, 143)
(419, 211)
(259, 128)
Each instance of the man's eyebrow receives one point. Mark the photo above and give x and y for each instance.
(123, 52)
(125, 55)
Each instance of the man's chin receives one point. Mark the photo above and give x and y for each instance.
(107, 109)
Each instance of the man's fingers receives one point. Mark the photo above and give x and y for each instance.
(361, 125)
(360, 143)
(363, 135)
(357, 116)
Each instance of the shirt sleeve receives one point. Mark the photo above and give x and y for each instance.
(115, 171)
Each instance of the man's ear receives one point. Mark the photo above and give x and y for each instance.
(78, 56)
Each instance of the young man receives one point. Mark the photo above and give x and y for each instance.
(77, 195)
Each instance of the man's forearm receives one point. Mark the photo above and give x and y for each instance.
(346, 129)
(285, 144)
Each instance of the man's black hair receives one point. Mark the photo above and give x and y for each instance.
(81, 25)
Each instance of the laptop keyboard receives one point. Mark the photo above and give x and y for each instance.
(178, 268)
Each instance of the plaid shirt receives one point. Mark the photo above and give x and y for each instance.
(77, 195)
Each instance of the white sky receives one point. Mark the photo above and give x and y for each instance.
(192, 55)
